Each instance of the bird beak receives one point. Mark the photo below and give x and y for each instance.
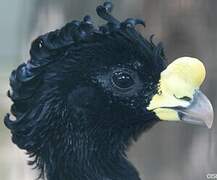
(198, 112)
(179, 98)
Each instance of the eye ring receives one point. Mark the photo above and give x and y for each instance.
(122, 80)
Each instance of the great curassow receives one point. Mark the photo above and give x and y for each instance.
(87, 91)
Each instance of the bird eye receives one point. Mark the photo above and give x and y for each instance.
(122, 80)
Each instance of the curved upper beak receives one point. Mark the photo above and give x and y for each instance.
(199, 112)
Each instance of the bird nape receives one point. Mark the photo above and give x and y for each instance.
(87, 91)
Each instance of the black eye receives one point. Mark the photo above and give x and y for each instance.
(122, 79)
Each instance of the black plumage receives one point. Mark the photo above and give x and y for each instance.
(82, 97)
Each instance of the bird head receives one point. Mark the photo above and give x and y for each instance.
(87, 91)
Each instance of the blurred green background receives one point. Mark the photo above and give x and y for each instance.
(186, 27)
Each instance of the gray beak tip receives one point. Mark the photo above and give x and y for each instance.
(210, 117)
(207, 112)
(199, 112)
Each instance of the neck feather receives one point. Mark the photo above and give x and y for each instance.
(84, 159)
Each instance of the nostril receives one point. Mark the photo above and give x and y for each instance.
(185, 98)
